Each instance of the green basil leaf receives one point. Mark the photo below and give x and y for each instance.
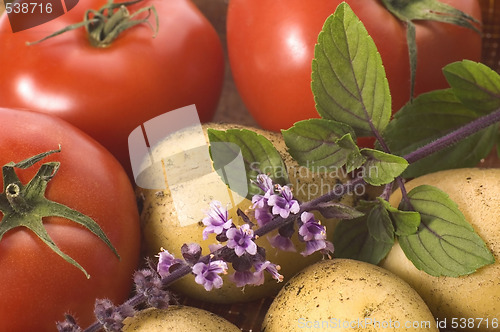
(445, 244)
(355, 239)
(258, 153)
(382, 168)
(313, 143)
(354, 158)
(348, 79)
(380, 224)
(429, 117)
(476, 85)
(405, 222)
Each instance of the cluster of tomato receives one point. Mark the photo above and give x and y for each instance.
(103, 93)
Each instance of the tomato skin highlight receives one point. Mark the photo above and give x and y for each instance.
(108, 92)
(38, 286)
(271, 46)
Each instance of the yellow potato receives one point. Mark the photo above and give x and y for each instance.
(471, 301)
(179, 319)
(347, 295)
(164, 226)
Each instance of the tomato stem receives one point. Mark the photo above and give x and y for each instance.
(16, 199)
(103, 26)
(25, 205)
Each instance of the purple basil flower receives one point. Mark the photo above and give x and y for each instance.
(264, 182)
(241, 240)
(325, 247)
(260, 201)
(263, 216)
(243, 278)
(311, 229)
(282, 242)
(271, 268)
(314, 234)
(110, 316)
(284, 204)
(165, 261)
(214, 247)
(208, 274)
(68, 325)
(217, 220)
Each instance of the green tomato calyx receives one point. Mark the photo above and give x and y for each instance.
(103, 26)
(26, 205)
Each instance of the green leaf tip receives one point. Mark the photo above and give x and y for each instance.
(26, 205)
(476, 85)
(349, 83)
(382, 168)
(321, 143)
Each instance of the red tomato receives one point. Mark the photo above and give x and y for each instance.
(271, 46)
(108, 92)
(38, 286)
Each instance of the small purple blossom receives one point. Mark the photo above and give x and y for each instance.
(269, 267)
(217, 220)
(325, 247)
(263, 216)
(259, 201)
(311, 229)
(110, 316)
(243, 278)
(284, 204)
(191, 253)
(214, 247)
(241, 240)
(282, 242)
(264, 182)
(256, 278)
(314, 234)
(149, 284)
(68, 325)
(165, 262)
(208, 274)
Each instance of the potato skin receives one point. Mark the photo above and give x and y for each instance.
(177, 318)
(475, 296)
(333, 294)
(161, 228)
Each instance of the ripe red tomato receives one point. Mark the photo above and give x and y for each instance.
(38, 286)
(108, 92)
(271, 46)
